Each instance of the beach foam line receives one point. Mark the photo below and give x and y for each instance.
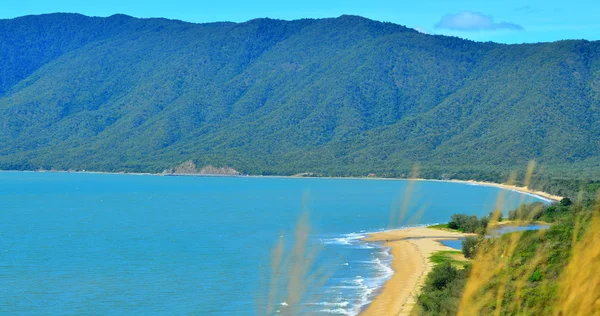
(332, 304)
(363, 289)
(550, 198)
(358, 291)
(539, 197)
(346, 239)
(337, 311)
(411, 258)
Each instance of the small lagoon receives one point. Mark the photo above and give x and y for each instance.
(504, 229)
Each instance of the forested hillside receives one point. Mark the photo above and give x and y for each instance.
(340, 96)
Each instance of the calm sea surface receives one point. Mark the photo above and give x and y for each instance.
(129, 244)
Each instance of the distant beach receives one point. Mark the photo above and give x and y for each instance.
(540, 194)
(544, 195)
(411, 249)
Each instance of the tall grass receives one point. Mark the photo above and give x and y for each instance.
(579, 287)
(398, 214)
(491, 262)
(499, 275)
(292, 273)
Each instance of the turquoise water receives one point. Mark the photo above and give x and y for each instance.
(453, 243)
(128, 244)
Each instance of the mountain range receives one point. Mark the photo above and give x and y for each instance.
(344, 96)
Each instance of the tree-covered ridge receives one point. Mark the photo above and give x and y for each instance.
(343, 96)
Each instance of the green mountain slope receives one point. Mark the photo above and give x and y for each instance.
(343, 96)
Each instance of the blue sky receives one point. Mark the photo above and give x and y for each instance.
(507, 21)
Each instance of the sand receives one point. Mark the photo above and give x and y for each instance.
(411, 249)
(513, 188)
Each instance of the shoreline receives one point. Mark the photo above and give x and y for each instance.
(545, 195)
(411, 249)
(538, 194)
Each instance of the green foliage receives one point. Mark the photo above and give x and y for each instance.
(467, 223)
(565, 202)
(443, 256)
(441, 293)
(528, 212)
(469, 246)
(335, 97)
(535, 276)
(440, 226)
(535, 266)
(491, 215)
(541, 284)
(572, 183)
(444, 274)
(538, 211)
(555, 212)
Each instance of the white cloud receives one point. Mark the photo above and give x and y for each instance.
(474, 21)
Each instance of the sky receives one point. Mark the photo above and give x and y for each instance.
(507, 21)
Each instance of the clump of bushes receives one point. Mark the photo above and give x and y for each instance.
(565, 202)
(441, 293)
(470, 245)
(468, 224)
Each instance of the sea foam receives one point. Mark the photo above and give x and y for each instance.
(357, 291)
(352, 239)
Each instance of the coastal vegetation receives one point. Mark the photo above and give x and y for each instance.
(540, 212)
(468, 224)
(525, 273)
(444, 284)
(469, 246)
(449, 256)
(344, 96)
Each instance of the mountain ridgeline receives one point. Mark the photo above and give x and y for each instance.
(339, 96)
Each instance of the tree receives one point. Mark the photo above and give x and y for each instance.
(470, 246)
(494, 214)
(467, 224)
(565, 202)
(441, 276)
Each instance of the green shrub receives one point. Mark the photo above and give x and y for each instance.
(535, 276)
(442, 274)
(467, 223)
(441, 293)
(452, 225)
(470, 246)
(565, 202)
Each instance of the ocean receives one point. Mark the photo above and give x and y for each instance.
(152, 245)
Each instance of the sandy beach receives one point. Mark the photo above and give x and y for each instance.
(411, 249)
(512, 187)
